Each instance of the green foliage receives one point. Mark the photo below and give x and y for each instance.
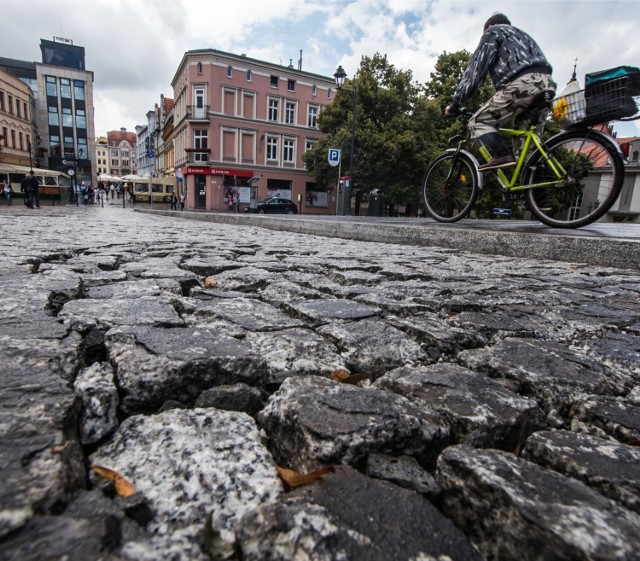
(399, 128)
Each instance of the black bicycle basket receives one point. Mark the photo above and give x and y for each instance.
(608, 96)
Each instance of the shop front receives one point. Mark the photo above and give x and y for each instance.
(218, 189)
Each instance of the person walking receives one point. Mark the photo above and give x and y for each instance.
(8, 192)
(519, 72)
(29, 186)
(181, 201)
(174, 202)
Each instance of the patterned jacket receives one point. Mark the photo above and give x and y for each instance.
(506, 53)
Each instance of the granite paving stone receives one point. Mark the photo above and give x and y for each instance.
(455, 405)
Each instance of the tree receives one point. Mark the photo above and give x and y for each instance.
(387, 142)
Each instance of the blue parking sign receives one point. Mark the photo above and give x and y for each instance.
(334, 156)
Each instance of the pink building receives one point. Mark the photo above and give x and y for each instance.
(241, 127)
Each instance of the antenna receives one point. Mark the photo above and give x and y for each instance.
(300, 61)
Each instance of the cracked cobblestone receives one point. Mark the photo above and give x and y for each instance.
(496, 398)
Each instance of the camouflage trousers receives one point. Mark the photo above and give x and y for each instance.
(505, 106)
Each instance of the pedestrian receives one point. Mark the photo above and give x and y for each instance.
(236, 201)
(8, 192)
(29, 186)
(519, 71)
(181, 201)
(112, 190)
(174, 202)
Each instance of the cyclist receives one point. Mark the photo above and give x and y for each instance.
(519, 72)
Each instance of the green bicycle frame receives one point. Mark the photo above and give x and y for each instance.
(530, 137)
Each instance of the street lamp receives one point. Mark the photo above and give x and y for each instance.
(340, 76)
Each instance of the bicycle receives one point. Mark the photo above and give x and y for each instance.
(569, 181)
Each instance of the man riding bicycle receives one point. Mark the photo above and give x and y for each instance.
(519, 72)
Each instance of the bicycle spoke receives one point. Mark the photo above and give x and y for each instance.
(450, 188)
(592, 178)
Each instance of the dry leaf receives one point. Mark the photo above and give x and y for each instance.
(296, 479)
(340, 374)
(356, 378)
(60, 449)
(123, 487)
(209, 282)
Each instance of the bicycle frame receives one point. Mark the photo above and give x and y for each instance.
(530, 138)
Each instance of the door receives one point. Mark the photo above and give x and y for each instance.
(200, 186)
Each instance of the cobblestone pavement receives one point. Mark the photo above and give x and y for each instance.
(160, 376)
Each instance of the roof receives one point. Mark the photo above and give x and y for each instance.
(115, 138)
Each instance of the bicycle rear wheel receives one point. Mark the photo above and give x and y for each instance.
(591, 183)
(450, 187)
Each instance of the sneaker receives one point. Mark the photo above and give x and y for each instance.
(496, 163)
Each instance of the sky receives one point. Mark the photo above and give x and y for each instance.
(134, 47)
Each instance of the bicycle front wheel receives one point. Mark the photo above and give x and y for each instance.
(450, 187)
(584, 173)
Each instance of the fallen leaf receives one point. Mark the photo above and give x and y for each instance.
(356, 378)
(296, 479)
(340, 374)
(209, 282)
(343, 376)
(123, 487)
(60, 449)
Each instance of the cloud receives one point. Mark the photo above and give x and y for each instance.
(134, 48)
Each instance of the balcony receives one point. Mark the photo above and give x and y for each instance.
(198, 114)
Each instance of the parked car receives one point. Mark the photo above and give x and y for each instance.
(276, 205)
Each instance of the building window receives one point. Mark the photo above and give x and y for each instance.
(5, 134)
(54, 120)
(65, 88)
(199, 111)
(13, 138)
(312, 120)
(81, 119)
(83, 152)
(229, 72)
(20, 141)
(54, 143)
(78, 90)
(314, 90)
(288, 151)
(290, 112)
(199, 68)
(229, 102)
(1, 101)
(67, 117)
(273, 109)
(200, 145)
(272, 149)
(10, 103)
(329, 93)
(52, 88)
(25, 113)
(274, 81)
(69, 148)
(248, 75)
(291, 85)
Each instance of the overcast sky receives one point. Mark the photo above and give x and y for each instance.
(134, 46)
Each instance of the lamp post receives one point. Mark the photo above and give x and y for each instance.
(340, 76)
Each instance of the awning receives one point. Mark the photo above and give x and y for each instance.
(12, 168)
